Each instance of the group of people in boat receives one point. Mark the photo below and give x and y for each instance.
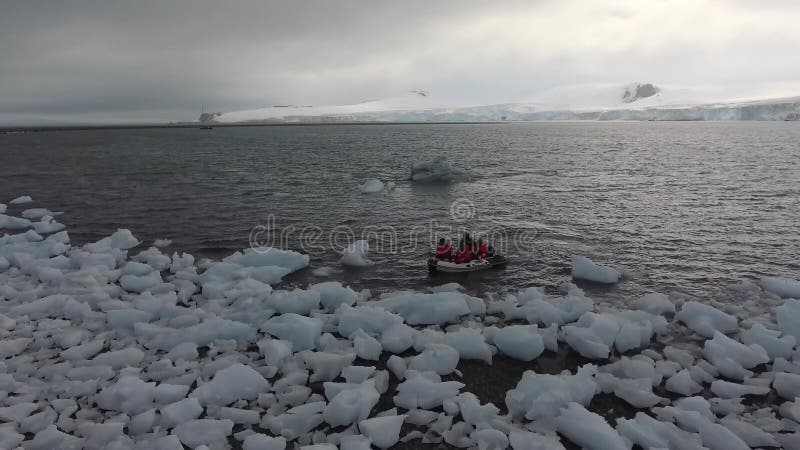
(468, 250)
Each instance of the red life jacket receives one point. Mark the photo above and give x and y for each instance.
(464, 256)
(444, 251)
(483, 251)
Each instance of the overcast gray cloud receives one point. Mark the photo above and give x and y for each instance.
(152, 60)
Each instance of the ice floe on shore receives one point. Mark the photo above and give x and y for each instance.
(108, 345)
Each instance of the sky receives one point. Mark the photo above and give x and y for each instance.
(120, 61)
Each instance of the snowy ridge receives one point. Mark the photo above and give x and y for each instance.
(108, 345)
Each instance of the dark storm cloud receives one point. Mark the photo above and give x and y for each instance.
(161, 60)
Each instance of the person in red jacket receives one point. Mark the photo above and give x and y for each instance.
(444, 251)
(464, 254)
(483, 249)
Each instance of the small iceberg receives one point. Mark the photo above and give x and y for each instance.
(355, 255)
(374, 185)
(585, 268)
(437, 170)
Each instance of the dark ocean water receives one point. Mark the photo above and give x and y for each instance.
(688, 206)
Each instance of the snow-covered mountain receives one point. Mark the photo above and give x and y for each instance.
(634, 101)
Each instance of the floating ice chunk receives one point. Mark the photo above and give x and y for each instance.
(398, 338)
(37, 213)
(371, 186)
(13, 223)
(333, 294)
(127, 318)
(783, 287)
(788, 317)
(356, 255)
(355, 442)
(13, 347)
(326, 366)
(301, 331)
(420, 391)
(473, 412)
(258, 441)
(230, 384)
(648, 432)
(297, 301)
(717, 437)
(558, 310)
(397, 366)
(777, 346)
(160, 243)
(180, 412)
(593, 335)
(541, 395)
(201, 334)
(588, 429)
(323, 271)
(726, 389)
(3, 208)
(129, 395)
(705, 319)
(470, 344)
(18, 411)
(366, 346)
(20, 200)
(682, 357)
(239, 416)
(682, 383)
(83, 351)
(9, 438)
(296, 421)
(749, 433)
(51, 438)
(134, 283)
(655, 303)
(351, 405)
(787, 385)
(522, 342)
(638, 392)
(129, 357)
(427, 309)
(730, 356)
(439, 358)
(437, 170)
(637, 367)
(265, 257)
(370, 319)
(275, 351)
(209, 432)
(584, 268)
(489, 438)
(154, 258)
(525, 440)
(47, 225)
(383, 431)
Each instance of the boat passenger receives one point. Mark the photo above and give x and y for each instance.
(444, 251)
(483, 249)
(464, 254)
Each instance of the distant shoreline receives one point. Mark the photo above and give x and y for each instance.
(31, 129)
(37, 129)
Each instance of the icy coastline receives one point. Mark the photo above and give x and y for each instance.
(115, 344)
